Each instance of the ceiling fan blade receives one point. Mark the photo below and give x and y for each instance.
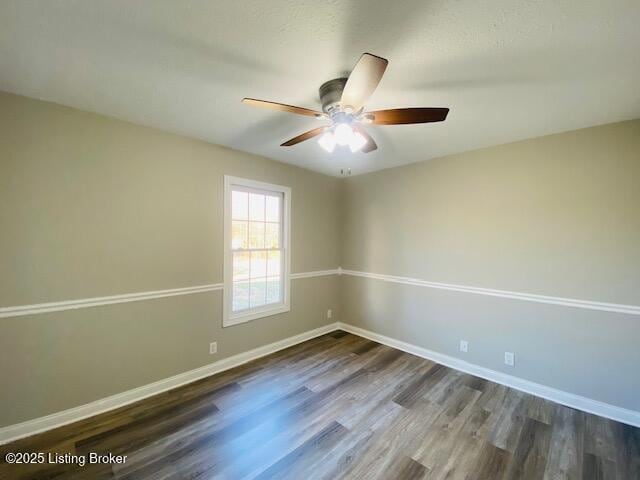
(362, 82)
(403, 116)
(304, 136)
(282, 107)
(370, 146)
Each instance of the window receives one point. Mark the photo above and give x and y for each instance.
(256, 258)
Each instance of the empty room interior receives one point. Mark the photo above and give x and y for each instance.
(320, 240)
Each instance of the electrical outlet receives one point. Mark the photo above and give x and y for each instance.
(213, 348)
(464, 346)
(509, 358)
(329, 313)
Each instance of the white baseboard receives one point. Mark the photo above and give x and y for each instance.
(38, 425)
(630, 417)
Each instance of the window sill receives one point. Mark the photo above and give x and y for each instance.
(247, 317)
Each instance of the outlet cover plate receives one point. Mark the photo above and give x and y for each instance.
(510, 359)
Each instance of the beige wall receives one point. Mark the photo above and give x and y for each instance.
(558, 215)
(91, 206)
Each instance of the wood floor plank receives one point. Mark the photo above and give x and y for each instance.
(464, 450)
(325, 404)
(491, 463)
(401, 437)
(628, 442)
(600, 437)
(448, 431)
(405, 468)
(370, 345)
(597, 468)
(293, 464)
(507, 420)
(163, 421)
(442, 390)
(417, 388)
(530, 456)
(539, 409)
(339, 334)
(567, 445)
(153, 458)
(281, 434)
(363, 433)
(476, 383)
(341, 407)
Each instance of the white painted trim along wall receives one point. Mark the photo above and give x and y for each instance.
(129, 297)
(135, 297)
(38, 425)
(31, 427)
(578, 402)
(529, 297)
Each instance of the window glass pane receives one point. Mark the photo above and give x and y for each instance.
(240, 296)
(256, 207)
(273, 208)
(256, 258)
(258, 292)
(239, 205)
(241, 265)
(256, 235)
(258, 264)
(272, 235)
(239, 231)
(273, 290)
(273, 264)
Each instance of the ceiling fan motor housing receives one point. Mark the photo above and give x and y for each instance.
(331, 93)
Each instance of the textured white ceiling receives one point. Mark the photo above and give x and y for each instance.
(508, 69)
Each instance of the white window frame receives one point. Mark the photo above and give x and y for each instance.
(230, 318)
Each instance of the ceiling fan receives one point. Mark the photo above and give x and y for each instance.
(343, 102)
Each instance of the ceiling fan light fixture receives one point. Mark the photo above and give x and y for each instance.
(357, 142)
(327, 141)
(343, 108)
(343, 134)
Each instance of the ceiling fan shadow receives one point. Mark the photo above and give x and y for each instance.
(271, 130)
(183, 53)
(379, 26)
(471, 83)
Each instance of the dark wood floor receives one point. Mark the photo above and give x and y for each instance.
(340, 406)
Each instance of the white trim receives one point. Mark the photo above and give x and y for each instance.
(529, 297)
(255, 313)
(38, 425)
(31, 427)
(97, 301)
(230, 318)
(22, 310)
(624, 415)
(316, 273)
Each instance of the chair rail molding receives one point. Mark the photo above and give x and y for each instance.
(528, 297)
(23, 310)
